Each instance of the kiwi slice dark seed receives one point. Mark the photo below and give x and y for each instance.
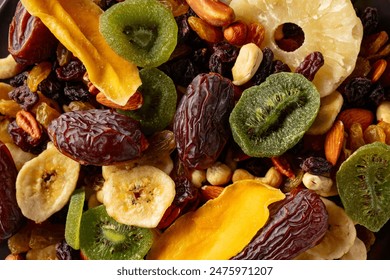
(102, 238)
(141, 31)
(160, 97)
(363, 183)
(272, 117)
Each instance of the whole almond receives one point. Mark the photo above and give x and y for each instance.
(356, 115)
(334, 141)
(210, 192)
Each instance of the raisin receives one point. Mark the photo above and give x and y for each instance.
(310, 65)
(52, 88)
(19, 79)
(265, 68)
(316, 165)
(280, 66)
(370, 20)
(26, 34)
(222, 59)
(201, 122)
(65, 252)
(97, 136)
(356, 92)
(76, 91)
(24, 97)
(11, 217)
(296, 224)
(72, 71)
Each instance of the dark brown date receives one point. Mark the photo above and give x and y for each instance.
(97, 136)
(29, 40)
(201, 123)
(296, 224)
(11, 217)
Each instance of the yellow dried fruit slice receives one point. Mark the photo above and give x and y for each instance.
(76, 25)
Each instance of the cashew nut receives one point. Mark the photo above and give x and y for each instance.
(383, 112)
(322, 185)
(218, 174)
(9, 67)
(247, 63)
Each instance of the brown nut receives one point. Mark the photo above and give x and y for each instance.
(29, 124)
(135, 102)
(213, 12)
(334, 141)
(256, 33)
(204, 30)
(236, 33)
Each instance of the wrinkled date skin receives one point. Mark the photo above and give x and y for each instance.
(11, 217)
(201, 123)
(97, 136)
(296, 224)
(29, 40)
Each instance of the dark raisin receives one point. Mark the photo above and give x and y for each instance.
(24, 141)
(280, 66)
(378, 95)
(182, 71)
(222, 59)
(356, 92)
(97, 136)
(72, 71)
(52, 88)
(24, 97)
(295, 224)
(201, 122)
(76, 91)
(370, 20)
(316, 165)
(65, 252)
(19, 79)
(310, 65)
(265, 68)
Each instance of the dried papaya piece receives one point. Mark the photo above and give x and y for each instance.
(220, 228)
(76, 25)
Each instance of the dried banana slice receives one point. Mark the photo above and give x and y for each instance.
(45, 184)
(138, 196)
(340, 236)
(358, 251)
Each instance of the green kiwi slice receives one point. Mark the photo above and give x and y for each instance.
(160, 97)
(363, 182)
(141, 31)
(272, 117)
(73, 218)
(102, 238)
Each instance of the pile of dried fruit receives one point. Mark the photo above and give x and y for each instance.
(195, 130)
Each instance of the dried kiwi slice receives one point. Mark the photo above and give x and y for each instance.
(160, 97)
(73, 218)
(102, 238)
(141, 31)
(363, 182)
(272, 117)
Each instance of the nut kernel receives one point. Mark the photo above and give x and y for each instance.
(29, 124)
(247, 63)
(213, 12)
(135, 102)
(218, 174)
(236, 33)
(204, 30)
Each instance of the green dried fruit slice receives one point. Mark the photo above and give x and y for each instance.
(73, 218)
(159, 106)
(102, 238)
(363, 182)
(272, 117)
(141, 31)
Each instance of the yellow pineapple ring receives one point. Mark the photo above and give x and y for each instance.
(329, 26)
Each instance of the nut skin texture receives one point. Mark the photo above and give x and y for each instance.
(214, 12)
(206, 31)
(11, 217)
(236, 33)
(201, 125)
(135, 101)
(97, 136)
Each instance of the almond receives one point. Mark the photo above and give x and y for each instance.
(135, 102)
(356, 115)
(334, 141)
(210, 192)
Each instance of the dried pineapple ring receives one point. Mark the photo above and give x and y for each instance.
(330, 27)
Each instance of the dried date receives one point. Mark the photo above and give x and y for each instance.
(296, 224)
(97, 136)
(201, 123)
(26, 36)
(11, 217)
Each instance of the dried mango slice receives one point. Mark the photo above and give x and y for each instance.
(76, 25)
(222, 227)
